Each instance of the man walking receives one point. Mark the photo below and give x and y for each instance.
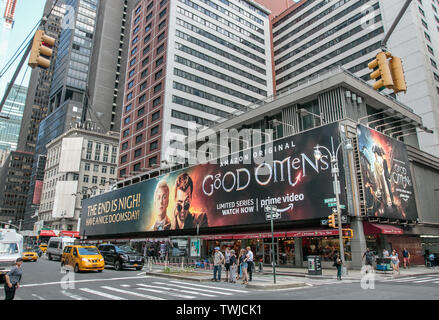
(227, 263)
(249, 259)
(12, 279)
(218, 261)
(406, 257)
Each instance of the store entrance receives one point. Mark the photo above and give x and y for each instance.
(268, 253)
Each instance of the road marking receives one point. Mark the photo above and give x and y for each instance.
(36, 296)
(147, 288)
(204, 286)
(186, 287)
(73, 296)
(81, 281)
(406, 280)
(178, 290)
(431, 279)
(102, 294)
(133, 293)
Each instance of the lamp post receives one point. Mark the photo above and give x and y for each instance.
(335, 172)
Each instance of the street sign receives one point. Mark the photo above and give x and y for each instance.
(330, 200)
(332, 204)
(272, 216)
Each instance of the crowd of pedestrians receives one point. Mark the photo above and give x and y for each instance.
(237, 266)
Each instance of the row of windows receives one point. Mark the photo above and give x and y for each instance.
(223, 21)
(220, 75)
(294, 12)
(333, 54)
(220, 52)
(199, 106)
(191, 118)
(325, 35)
(325, 46)
(219, 63)
(220, 41)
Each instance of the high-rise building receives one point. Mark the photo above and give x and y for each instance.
(313, 37)
(11, 116)
(189, 60)
(36, 106)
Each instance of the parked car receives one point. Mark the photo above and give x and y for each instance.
(30, 254)
(56, 246)
(82, 258)
(121, 256)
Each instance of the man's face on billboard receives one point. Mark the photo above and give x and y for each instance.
(183, 203)
(161, 201)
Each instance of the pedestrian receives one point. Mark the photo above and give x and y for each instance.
(227, 263)
(233, 266)
(12, 279)
(370, 257)
(395, 262)
(406, 258)
(385, 253)
(250, 263)
(218, 261)
(239, 275)
(431, 259)
(338, 264)
(244, 266)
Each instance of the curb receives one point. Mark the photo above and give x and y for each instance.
(276, 286)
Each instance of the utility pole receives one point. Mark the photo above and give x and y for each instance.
(395, 23)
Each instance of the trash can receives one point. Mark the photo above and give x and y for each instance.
(314, 266)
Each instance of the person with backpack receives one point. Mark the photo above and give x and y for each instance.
(431, 259)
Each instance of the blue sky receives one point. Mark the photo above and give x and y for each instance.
(27, 14)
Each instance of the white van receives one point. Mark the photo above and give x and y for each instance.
(56, 245)
(11, 248)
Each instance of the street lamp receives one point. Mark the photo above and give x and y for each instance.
(335, 172)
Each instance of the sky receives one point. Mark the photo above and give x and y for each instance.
(27, 14)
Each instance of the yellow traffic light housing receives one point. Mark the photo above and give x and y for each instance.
(41, 50)
(348, 233)
(397, 72)
(381, 73)
(331, 221)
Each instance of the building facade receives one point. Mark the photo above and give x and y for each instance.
(80, 163)
(313, 37)
(347, 104)
(199, 61)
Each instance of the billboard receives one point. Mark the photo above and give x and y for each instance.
(386, 176)
(227, 193)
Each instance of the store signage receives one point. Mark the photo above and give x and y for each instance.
(387, 180)
(227, 193)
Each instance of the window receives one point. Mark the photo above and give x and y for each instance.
(136, 167)
(147, 38)
(129, 96)
(141, 112)
(154, 130)
(142, 98)
(143, 86)
(128, 108)
(127, 120)
(130, 84)
(161, 48)
(152, 161)
(158, 74)
(125, 145)
(148, 27)
(137, 153)
(155, 116)
(158, 87)
(153, 145)
(85, 179)
(144, 73)
(159, 61)
(123, 173)
(94, 180)
(138, 9)
(146, 49)
(156, 102)
(96, 168)
(145, 62)
(132, 62)
(162, 13)
(161, 36)
(139, 125)
(139, 138)
(87, 166)
(126, 133)
(104, 169)
(123, 159)
(162, 24)
(112, 170)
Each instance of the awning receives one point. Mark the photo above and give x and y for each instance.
(377, 228)
(47, 233)
(73, 234)
(262, 235)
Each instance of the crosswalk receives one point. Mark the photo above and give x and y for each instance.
(432, 279)
(154, 290)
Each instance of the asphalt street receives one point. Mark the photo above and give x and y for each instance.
(46, 280)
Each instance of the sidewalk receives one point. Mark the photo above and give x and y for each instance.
(291, 277)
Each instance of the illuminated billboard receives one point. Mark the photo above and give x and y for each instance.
(227, 193)
(387, 179)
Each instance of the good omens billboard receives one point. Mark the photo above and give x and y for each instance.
(387, 179)
(232, 192)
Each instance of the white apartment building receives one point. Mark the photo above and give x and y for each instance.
(315, 36)
(194, 61)
(80, 163)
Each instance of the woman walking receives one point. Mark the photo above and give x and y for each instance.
(13, 278)
(395, 262)
(244, 266)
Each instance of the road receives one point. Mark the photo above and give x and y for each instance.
(45, 280)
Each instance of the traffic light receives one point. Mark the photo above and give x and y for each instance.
(41, 50)
(348, 233)
(397, 72)
(381, 73)
(331, 221)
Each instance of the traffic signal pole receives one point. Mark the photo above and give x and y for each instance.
(395, 23)
(14, 77)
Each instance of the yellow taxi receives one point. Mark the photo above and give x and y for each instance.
(30, 254)
(82, 258)
(43, 247)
